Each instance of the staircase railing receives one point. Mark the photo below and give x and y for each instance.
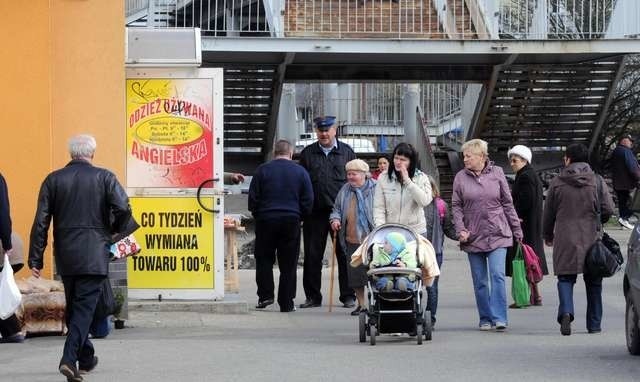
(424, 19)
(425, 151)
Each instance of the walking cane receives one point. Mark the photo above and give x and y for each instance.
(333, 267)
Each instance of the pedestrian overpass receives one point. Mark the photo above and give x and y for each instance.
(545, 70)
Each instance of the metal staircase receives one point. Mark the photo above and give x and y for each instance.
(546, 107)
(251, 96)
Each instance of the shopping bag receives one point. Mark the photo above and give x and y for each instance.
(600, 261)
(532, 263)
(106, 303)
(519, 286)
(127, 246)
(10, 296)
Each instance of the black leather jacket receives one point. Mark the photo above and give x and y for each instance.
(88, 206)
(327, 172)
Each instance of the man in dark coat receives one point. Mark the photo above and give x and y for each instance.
(325, 161)
(625, 172)
(570, 225)
(527, 200)
(88, 206)
(280, 194)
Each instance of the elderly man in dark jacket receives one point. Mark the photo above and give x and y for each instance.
(88, 206)
(571, 226)
(280, 195)
(625, 172)
(325, 161)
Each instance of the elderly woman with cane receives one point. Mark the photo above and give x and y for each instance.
(352, 219)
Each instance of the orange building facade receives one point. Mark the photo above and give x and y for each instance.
(63, 74)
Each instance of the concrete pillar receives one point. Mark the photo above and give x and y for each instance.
(331, 100)
(410, 102)
(287, 116)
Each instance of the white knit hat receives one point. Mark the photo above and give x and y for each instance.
(521, 151)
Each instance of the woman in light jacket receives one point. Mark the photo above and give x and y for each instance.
(403, 192)
(352, 218)
(486, 223)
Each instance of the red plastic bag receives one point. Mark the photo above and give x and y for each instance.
(532, 263)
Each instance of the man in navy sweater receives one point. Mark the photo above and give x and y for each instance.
(626, 174)
(280, 195)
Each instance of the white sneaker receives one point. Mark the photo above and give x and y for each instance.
(625, 223)
(485, 327)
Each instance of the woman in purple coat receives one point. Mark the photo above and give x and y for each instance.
(486, 223)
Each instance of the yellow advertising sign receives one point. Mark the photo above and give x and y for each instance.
(176, 237)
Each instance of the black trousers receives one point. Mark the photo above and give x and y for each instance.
(11, 325)
(315, 230)
(623, 203)
(82, 294)
(277, 238)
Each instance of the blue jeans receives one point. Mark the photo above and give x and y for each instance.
(489, 287)
(594, 299)
(432, 291)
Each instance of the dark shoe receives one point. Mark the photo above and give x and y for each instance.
(13, 339)
(349, 303)
(287, 310)
(264, 303)
(538, 302)
(310, 304)
(70, 372)
(594, 331)
(84, 369)
(565, 324)
(357, 311)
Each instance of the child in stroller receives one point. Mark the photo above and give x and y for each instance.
(394, 253)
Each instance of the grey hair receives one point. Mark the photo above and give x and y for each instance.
(82, 146)
(282, 147)
(476, 146)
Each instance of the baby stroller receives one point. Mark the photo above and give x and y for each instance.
(393, 311)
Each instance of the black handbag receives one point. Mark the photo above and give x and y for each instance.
(600, 261)
(106, 302)
(604, 257)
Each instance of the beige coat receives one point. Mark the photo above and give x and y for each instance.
(426, 256)
(394, 202)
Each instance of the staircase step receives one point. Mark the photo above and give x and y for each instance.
(245, 118)
(232, 92)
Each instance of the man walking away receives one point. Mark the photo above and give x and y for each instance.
(325, 161)
(626, 174)
(81, 199)
(280, 194)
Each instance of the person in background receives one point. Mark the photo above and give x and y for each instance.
(625, 172)
(325, 162)
(81, 200)
(527, 200)
(571, 226)
(352, 218)
(403, 192)
(439, 223)
(9, 328)
(383, 166)
(280, 195)
(486, 223)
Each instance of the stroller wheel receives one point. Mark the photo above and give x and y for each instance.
(426, 324)
(372, 337)
(363, 326)
(419, 330)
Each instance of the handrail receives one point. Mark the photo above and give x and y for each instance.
(426, 151)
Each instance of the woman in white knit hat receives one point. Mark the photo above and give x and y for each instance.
(352, 218)
(527, 200)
